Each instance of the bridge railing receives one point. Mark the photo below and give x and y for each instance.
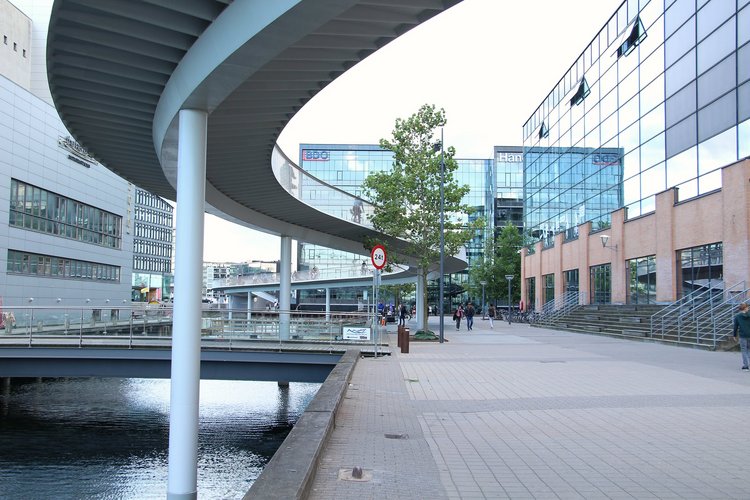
(133, 324)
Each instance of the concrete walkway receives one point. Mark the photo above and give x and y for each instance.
(520, 412)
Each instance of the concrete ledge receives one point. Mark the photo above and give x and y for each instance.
(290, 473)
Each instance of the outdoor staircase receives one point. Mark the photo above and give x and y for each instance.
(607, 319)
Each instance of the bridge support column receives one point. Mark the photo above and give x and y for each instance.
(186, 342)
(328, 304)
(285, 286)
(249, 305)
(421, 278)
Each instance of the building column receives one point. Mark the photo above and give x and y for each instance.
(734, 220)
(584, 269)
(666, 256)
(328, 304)
(186, 342)
(249, 305)
(285, 286)
(619, 278)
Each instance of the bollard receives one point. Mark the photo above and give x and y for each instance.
(399, 334)
(405, 341)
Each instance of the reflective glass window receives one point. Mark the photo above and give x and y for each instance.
(717, 152)
(712, 16)
(655, 29)
(682, 167)
(681, 42)
(631, 164)
(629, 138)
(652, 67)
(709, 182)
(743, 102)
(652, 95)
(743, 26)
(743, 59)
(653, 180)
(609, 128)
(716, 46)
(652, 152)
(716, 81)
(717, 116)
(682, 136)
(642, 280)
(628, 112)
(678, 13)
(628, 87)
(681, 104)
(680, 73)
(608, 81)
(608, 104)
(652, 123)
(743, 138)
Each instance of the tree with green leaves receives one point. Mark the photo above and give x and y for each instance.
(501, 258)
(407, 198)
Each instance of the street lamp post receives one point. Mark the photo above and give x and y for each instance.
(442, 236)
(484, 309)
(509, 277)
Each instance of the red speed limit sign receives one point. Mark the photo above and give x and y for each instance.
(378, 256)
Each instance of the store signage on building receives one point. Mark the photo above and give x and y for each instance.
(510, 157)
(315, 155)
(605, 159)
(78, 152)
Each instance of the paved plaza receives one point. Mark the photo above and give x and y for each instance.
(527, 413)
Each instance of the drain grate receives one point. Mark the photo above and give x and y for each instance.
(397, 436)
(551, 361)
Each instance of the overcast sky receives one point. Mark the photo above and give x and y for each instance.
(488, 63)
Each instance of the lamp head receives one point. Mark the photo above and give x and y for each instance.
(509, 277)
(605, 239)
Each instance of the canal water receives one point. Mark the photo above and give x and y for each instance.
(108, 438)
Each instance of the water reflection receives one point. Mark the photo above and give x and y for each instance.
(108, 438)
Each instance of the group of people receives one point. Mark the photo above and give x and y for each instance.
(468, 312)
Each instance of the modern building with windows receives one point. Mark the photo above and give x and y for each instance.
(664, 85)
(152, 247)
(496, 195)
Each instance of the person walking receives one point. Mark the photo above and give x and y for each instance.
(491, 315)
(741, 324)
(457, 315)
(402, 315)
(470, 316)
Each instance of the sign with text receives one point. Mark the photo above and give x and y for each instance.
(378, 257)
(356, 333)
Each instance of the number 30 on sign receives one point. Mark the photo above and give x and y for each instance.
(378, 256)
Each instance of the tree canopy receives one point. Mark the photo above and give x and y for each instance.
(407, 198)
(501, 258)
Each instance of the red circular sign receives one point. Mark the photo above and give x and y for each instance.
(378, 256)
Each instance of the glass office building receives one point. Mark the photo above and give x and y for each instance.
(666, 85)
(656, 107)
(346, 166)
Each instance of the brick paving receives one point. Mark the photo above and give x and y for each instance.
(527, 413)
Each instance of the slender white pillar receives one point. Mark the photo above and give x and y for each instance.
(249, 305)
(420, 300)
(186, 346)
(285, 286)
(328, 304)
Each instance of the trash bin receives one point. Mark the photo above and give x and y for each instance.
(405, 341)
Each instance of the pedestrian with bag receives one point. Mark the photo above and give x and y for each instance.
(491, 315)
(470, 316)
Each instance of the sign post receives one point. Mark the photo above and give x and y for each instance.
(378, 257)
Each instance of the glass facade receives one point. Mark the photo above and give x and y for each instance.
(667, 90)
(601, 284)
(507, 179)
(571, 280)
(50, 266)
(346, 167)
(701, 268)
(37, 209)
(548, 293)
(642, 280)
